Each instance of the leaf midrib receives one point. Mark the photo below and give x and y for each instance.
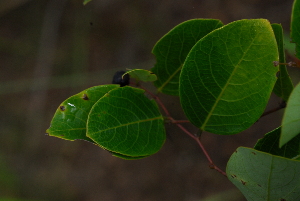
(225, 86)
(122, 125)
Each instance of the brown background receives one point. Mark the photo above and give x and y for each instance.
(50, 50)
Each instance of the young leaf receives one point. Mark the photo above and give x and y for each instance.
(291, 118)
(261, 176)
(284, 85)
(228, 76)
(295, 26)
(70, 118)
(142, 75)
(172, 49)
(270, 144)
(127, 123)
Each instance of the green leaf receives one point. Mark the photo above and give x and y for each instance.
(86, 1)
(295, 26)
(228, 77)
(291, 117)
(142, 75)
(264, 177)
(270, 144)
(126, 123)
(284, 85)
(70, 118)
(172, 49)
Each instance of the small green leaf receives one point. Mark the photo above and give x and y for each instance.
(142, 75)
(70, 118)
(172, 49)
(284, 85)
(295, 26)
(291, 118)
(126, 123)
(264, 177)
(228, 76)
(86, 1)
(270, 144)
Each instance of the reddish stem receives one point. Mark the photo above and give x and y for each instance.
(178, 123)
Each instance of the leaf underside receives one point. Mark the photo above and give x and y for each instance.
(291, 118)
(171, 50)
(264, 177)
(228, 76)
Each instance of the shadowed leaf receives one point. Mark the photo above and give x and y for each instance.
(171, 50)
(284, 85)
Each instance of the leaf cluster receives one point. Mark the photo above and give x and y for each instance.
(224, 76)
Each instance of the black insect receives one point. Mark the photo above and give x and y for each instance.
(117, 79)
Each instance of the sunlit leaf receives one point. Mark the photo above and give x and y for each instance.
(70, 119)
(261, 176)
(142, 75)
(126, 123)
(295, 26)
(228, 76)
(284, 85)
(172, 49)
(291, 118)
(270, 144)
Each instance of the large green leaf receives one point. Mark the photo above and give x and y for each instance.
(263, 177)
(70, 118)
(291, 117)
(172, 49)
(228, 76)
(295, 26)
(126, 123)
(284, 85)
(270, 144)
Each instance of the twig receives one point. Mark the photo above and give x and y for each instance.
(178, 123)
(281, 106)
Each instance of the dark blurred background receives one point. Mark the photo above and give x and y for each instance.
(50, 50)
